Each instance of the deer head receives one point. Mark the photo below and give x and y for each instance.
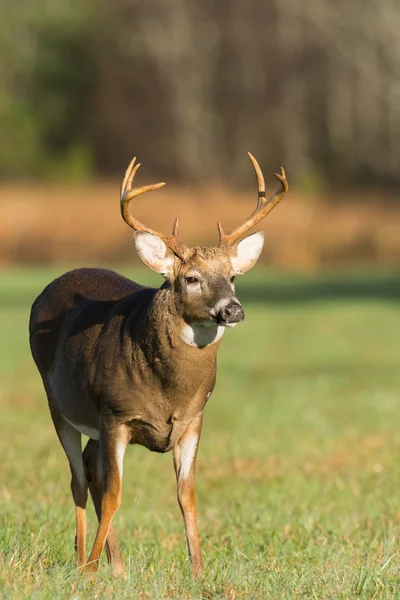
(202, 279)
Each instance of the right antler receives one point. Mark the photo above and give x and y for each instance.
(127, 194)
(263, 207)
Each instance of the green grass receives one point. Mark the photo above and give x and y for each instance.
(298, 475)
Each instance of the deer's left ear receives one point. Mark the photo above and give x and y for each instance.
(247, 252)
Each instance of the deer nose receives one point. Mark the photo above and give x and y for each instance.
(231, 313)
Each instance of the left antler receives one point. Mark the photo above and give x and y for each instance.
(128, 193)
(263, 207)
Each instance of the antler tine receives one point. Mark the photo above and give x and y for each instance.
(263, 207)
(128, 172)
(128, 193)
(259, 174)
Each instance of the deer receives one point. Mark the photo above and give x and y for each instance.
(123, 363)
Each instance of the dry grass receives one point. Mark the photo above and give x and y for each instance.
(50, 224)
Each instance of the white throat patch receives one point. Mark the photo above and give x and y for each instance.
(202, 334)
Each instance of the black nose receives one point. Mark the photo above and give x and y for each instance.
(231, 313)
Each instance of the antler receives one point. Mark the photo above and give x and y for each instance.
(127, 194)
(263, 207)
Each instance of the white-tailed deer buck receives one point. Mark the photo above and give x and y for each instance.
(127, 364)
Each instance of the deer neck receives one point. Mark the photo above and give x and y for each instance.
(168, 329)
(199, 335)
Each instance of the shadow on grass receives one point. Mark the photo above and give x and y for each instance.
(318, 289)
(282, 289)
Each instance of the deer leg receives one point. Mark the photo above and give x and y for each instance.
(91, 459)
(184, 454)
(112, 442)
(70, 440)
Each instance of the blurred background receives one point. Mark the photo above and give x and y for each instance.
(299, 461)
(189, 87)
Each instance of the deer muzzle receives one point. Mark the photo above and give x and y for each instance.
(230, 314)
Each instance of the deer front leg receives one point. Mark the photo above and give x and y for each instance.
(184, 454)
(113, 441)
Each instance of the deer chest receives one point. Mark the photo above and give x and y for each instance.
(158, 436)
(159, 425)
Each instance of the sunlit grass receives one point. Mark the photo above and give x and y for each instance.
(298, 469)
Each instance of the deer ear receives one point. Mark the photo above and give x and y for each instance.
(247, 252)
(154, 252)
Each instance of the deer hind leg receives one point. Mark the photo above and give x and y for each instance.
(184, 455)
(70, 440)
(113, 440)
(94, 475)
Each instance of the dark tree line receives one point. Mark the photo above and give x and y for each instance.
(190, 85)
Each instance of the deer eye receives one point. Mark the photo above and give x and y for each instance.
(232, 279)
(192, 280)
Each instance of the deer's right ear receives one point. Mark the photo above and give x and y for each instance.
(154, 252)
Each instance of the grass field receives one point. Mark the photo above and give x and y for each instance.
(298, 475)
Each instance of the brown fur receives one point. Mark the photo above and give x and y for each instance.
(129, 364)
(112, 359)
